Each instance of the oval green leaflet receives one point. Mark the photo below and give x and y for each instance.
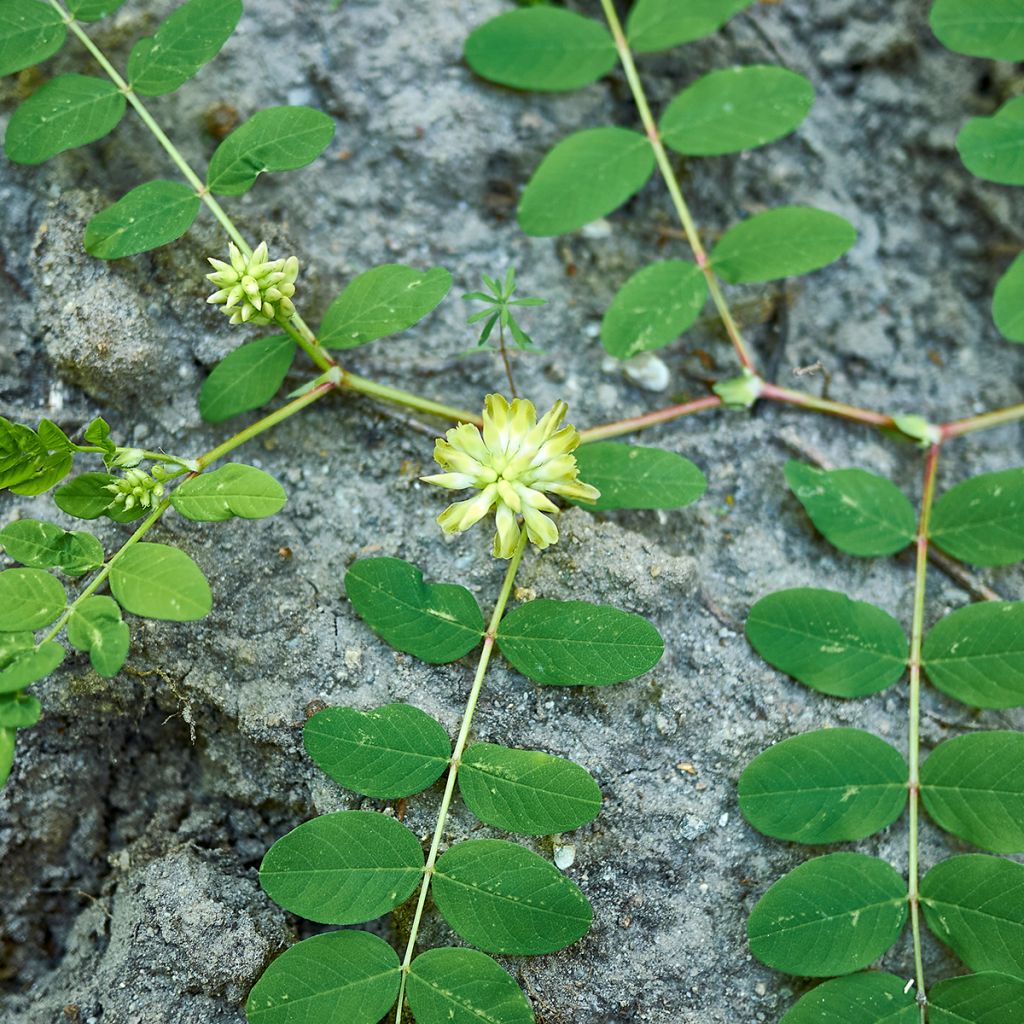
(95, 626)
(29, 599)
(160, 582)
(29, 33)
(233, 490)
(660, 24)
(870, 998)
(981, 520)
(980, 28)
(631, 476)
(991, 147)
(246, 378)
(149, 216)
(1008, 302)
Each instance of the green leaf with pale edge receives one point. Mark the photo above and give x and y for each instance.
(982, 519)
(160, 582)
(246, 378)
(780, 243)
(95, 627)
(231, 491)
(976, 654)
(586, 176)
(542, 48)
(150, 215)
(68, 111)
(859, 512)
(574, 643)
(192, 35)
(45, 546)
(381, 301)
(736, 109)
(30, 666)
(992, 148)
(659, 24)
(829, 786)
(975, 904)
(527, 791)
(87, 497)
(988, 998)
(29, 33)
(93, 10)
(389, 752)
(980, 28)
(19, 710)
(462, 986)
(275, 139)
(828, 642)
(654, 307)
(832, 915)
(629, 476)
(973, 786)
(29, 599)
(437, 622)
(872, 998)
(343, 977)
(343, 868)
(506, 899)
(1008, 302)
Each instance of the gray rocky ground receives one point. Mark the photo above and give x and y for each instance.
(139, 809)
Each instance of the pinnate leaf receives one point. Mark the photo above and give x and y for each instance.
(982, 519)
(437, 622)
(150, 215)
(828, 786)
(992, 148)
(780, 243)
(230, 491)
(832, 915)
(547, 49)
(872, 998)
(347, 977)
(390, 752)
(506, 899)
(29, 33)
(735, 109)
(1008, 302)
(980, 28)
(46, 546)
(630, 476)
(29, 599)
(586, 176)
(574, 643)
(246, 378)
(68, 111)
(828, 642)
(29, 666)
(660, 24)
(95, 627)
(989, 998)
(160, 582)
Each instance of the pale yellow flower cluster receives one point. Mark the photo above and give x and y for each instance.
(254, 289)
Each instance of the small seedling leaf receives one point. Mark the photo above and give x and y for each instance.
(629, 476)
(95, 627)
(982, 519)
(872, 998)
(230, 491)
(660, 24)
(149, 216)
(160, 582)
(29, 599)
(246, 378)
(29, 33)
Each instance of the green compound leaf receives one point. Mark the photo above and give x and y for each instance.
(629, 476)
(30, 666)
(19, 711)
(527, 791)
(992, 148)
(982, 519)
(29, 33)
(980, 28)
(654, 307)
(543, 48)
(190, 37)
(975, 904)
(46, 546)
(828, 642)
(233, 490)
(874, 998)
(150, 215)
(829, 786)
(988, 998)
(1008, 302)
(574, 643)
(68, 111)
(660, 24)
(93, 10)
(29, 599)
(859, 512)
(343, 868)
(462, 986)
(345, 977)
(973, 786)
(832, 915)
(506, 899)
(584, 177)
(780, 243)
(246, 378)
(976, 654)
(95, 627)
(381, 301)
(275, 139)
(387, 753)
(736, 109)
(87, 497)
(436, 622)
(160, 582)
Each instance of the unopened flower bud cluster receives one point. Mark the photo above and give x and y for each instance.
(254, 289)
(136, 488)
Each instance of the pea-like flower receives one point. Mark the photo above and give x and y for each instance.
(136, 487)
(512, 463)
(254, 289)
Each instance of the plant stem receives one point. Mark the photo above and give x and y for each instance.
(453, 771)
(985, 421)
(353, 382)
(914, 739)
(672, 183)
(650, 419)
(505, 360)
(847, 412)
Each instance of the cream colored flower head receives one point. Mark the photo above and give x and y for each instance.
(512, 463)
(254, 289)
